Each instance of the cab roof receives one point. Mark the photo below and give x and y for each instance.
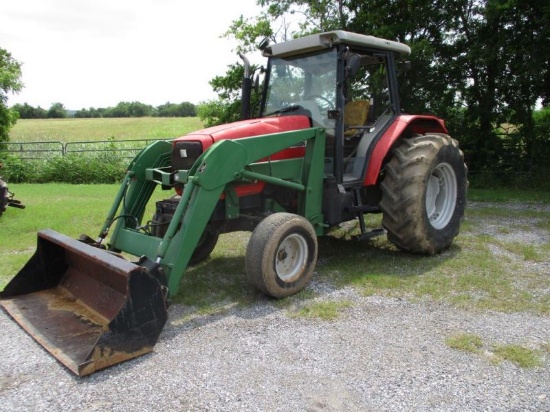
(325, 40)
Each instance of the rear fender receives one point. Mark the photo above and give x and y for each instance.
(405, 125)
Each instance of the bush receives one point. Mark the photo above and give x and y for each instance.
(541, 120)
(534, 179)
(16, 170)
(71, 168)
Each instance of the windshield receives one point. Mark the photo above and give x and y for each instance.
(308, 82)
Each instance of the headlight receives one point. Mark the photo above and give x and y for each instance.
(184, 154)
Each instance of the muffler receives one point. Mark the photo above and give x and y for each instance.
(89, 308)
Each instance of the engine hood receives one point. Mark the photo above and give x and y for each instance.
(248, 128)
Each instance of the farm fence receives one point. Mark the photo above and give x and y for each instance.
(512, 171)
(46, 149)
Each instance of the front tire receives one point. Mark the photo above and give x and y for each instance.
(281, 254)
(424, 193)
(204, 248)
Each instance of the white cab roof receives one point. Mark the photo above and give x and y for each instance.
(321, 41)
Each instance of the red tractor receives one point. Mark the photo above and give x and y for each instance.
(330, 145)
(377, 158)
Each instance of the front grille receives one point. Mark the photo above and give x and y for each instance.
(184, 154)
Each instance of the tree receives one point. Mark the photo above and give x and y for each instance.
(526, 76)
(417, 22)
(131, 109)
(26, 111)
(84, 113)
(500, 69)
(476, 63)
(184, 109)
(10, 81)
(227, 108)
(57, 111)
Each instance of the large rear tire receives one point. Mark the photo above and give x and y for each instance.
(281, 254)
(424, 193)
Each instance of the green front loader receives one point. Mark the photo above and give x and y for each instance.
(91, 308)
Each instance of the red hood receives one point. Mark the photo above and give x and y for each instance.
(248, 128)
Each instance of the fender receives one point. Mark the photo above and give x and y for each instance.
(403, 124)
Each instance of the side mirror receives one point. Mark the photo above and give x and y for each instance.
(263, 44)
(354, 63)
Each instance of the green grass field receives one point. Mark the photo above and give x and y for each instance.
(468, 275)
(69, 130)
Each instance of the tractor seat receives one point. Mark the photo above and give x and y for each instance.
(355, 114)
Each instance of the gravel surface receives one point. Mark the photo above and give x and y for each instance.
(381, 354)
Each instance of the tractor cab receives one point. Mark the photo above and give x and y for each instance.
(343, 82)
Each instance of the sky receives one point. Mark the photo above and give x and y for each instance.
(96, 53)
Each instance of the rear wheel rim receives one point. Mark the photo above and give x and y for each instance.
(441, 195)
(291, 257)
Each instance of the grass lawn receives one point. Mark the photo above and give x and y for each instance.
(468, 274)
(65, 208)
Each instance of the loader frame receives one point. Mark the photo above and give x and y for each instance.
(216, 172)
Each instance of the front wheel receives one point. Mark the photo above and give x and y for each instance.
(281, 254)
(205, 246)
(424, 193)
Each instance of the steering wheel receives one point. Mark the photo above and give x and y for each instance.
(314, 97)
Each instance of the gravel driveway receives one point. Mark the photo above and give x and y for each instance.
(382, 354)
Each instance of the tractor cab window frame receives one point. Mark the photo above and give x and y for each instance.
(320, 85)
(374, 85)
(302, 84)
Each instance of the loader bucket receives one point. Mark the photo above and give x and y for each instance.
(88, 308)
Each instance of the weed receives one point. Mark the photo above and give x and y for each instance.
(322, 310)
(468, 275)
(543, 224)
(465, 342)
(500, 194)
(519, 355)
(86, 162)
(76, 130)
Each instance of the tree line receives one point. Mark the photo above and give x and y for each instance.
(122, 109)
(482, 65)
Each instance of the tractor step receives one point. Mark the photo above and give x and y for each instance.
(370, 234)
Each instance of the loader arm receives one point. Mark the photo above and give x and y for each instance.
(223, 163)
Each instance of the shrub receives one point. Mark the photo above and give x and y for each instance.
(16, 170)
(71, 168)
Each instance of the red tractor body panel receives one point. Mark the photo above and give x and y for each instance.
(250, 128)
(255, 127)
(413, 124)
